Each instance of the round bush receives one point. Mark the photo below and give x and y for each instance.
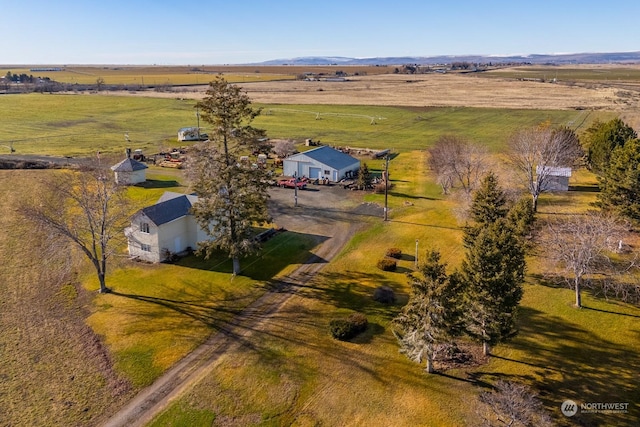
(345, 329)
(387, 264)
(384, 294)
(394, 253)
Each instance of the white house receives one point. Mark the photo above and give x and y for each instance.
(557, 178)
(167, 227)
(322, 162)
(129, 172)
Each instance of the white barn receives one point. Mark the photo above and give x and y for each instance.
(557, 178)
(164, 228)
(322, 162)
(130, 172)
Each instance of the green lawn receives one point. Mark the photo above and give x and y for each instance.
(80, 125)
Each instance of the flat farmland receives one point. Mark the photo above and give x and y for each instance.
(180, 75)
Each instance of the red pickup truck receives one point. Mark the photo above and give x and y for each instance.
(291, 183)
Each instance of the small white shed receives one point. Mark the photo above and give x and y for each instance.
(129, 172)
(556, 178)
(322, 162)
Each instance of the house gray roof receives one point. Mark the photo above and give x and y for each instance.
(170, 206)
(328, 156)
(128, 165)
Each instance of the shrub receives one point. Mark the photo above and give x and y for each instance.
(387, 264)
(384, 294)
(394, 253)
(345, 329)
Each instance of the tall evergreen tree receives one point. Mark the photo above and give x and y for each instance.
(433, 314)
(493, 270)
(620, 182)
(493, 273)
(489, 201)
(365, 180)
(232, 195)
(602, 138)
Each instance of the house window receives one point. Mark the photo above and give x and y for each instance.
(144, 227)
(145, 248)
(326, 172)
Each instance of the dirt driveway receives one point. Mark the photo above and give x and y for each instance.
(319, 208)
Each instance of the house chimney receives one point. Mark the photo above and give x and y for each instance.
(128, 153)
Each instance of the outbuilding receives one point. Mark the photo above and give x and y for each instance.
(556, 178)
(130, 172)
(320, 163)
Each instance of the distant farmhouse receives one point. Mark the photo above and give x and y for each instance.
(320, 163)
(557, 177)
(166, 228)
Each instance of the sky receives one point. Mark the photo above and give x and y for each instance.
(201, 32)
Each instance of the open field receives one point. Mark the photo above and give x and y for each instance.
(289, 370)
(81, 125)
(181, 75)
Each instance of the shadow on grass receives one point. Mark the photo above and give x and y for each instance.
(573, 362)
(425, 225)
(280, 251)
(410, 196)
(585, 188)
(584, 307)
(156, 183)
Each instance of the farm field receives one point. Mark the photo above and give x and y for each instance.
(290, 371)
(81, 125)
(179, 75)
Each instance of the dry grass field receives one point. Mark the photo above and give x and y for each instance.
(444, 90)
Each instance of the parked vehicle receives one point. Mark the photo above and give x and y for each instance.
(292, 183)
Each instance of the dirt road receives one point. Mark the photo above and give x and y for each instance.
(322, 211)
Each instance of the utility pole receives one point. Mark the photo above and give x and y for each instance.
(416, 257)
(198, 117)
(295, 191)
(386, 189)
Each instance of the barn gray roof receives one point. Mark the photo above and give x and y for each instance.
(170, 206)
(128, 165)
(328, 156)
(554, 170)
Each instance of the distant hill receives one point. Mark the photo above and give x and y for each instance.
(559, 59)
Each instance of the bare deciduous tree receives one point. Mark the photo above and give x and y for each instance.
(535, 152)
(512, 404)
(284, 148)
(581, 244)
(87, 209)
(457, 162)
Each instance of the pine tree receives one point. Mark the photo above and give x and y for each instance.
(433, 314)
(620, 181)
(493, 270)
(364, 181)
(602, 139)
(493, 273)
(489, 201)
(232, 195)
